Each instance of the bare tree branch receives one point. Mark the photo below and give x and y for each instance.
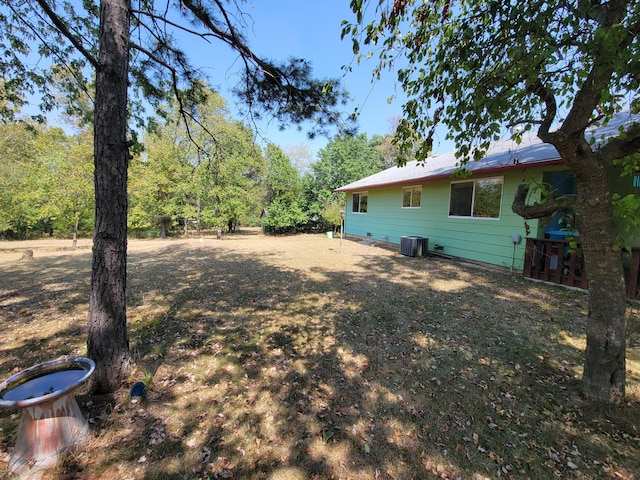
(622, 147)
(539, 210)
(64, 30)
(544, 93)
(159, 18)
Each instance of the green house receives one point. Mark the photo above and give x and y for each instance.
(469, 216)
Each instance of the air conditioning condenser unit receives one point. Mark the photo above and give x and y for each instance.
(413, 246)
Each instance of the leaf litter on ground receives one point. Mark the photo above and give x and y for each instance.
(301, 355)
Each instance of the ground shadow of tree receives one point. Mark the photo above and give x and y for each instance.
(43, 309)
(365, 373)
(390, 367)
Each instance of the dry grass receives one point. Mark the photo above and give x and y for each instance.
(302, 357)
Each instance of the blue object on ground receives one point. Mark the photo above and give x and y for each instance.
(139, 389)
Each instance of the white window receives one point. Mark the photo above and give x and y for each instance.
(360, 200)
(412, 196)
(476, 198)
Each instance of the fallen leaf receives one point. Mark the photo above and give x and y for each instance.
(496, 458)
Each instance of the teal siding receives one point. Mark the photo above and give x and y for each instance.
(484, 240)
(623, 186)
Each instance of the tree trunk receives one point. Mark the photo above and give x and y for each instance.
(198, 215)
(74, 243)
(108, 343)
(604, 369)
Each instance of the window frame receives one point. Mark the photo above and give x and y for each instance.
(411, 189)
(366, 203)
(475, 182)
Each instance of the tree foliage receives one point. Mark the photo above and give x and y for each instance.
(343, 160)
(67, 33)
(18, 212)
(129, 47)
(208, 174)
(559, 67)
(65, 176)
(45, 182)
(346, 159)
(480, 66)
(284, 209)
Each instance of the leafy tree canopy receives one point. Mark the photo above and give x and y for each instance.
(284, 188)
(558, 66)
(45, 181)
(207, 170)
(480, 66)
(346, 159)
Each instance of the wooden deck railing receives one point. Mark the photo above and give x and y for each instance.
(557, 262)
(554, 261)
(632, 277)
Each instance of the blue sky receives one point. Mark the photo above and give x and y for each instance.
(309, 29)
(280, 29)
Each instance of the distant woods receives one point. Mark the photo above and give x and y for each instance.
(183, 179)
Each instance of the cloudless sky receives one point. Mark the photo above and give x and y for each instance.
(280, 29)
(309, 29)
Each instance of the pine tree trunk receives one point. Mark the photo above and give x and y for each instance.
(108, 343)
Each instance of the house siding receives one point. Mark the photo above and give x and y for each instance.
(625, 185)
(484, 240)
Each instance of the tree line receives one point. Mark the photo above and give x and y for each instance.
(181, 180)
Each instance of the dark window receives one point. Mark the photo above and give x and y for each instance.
(360, 202)
(411, 197)
(477, 198)
(461, 199)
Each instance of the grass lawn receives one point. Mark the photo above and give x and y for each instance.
(304, 357)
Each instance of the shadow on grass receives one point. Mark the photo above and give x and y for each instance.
(385, 367)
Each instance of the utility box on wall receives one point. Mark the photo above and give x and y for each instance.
(413, 246)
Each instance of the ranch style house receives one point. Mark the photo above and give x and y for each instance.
(440, 207)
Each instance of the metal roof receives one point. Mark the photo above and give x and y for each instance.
(502, 155)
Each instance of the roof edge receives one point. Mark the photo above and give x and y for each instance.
(517, 166)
